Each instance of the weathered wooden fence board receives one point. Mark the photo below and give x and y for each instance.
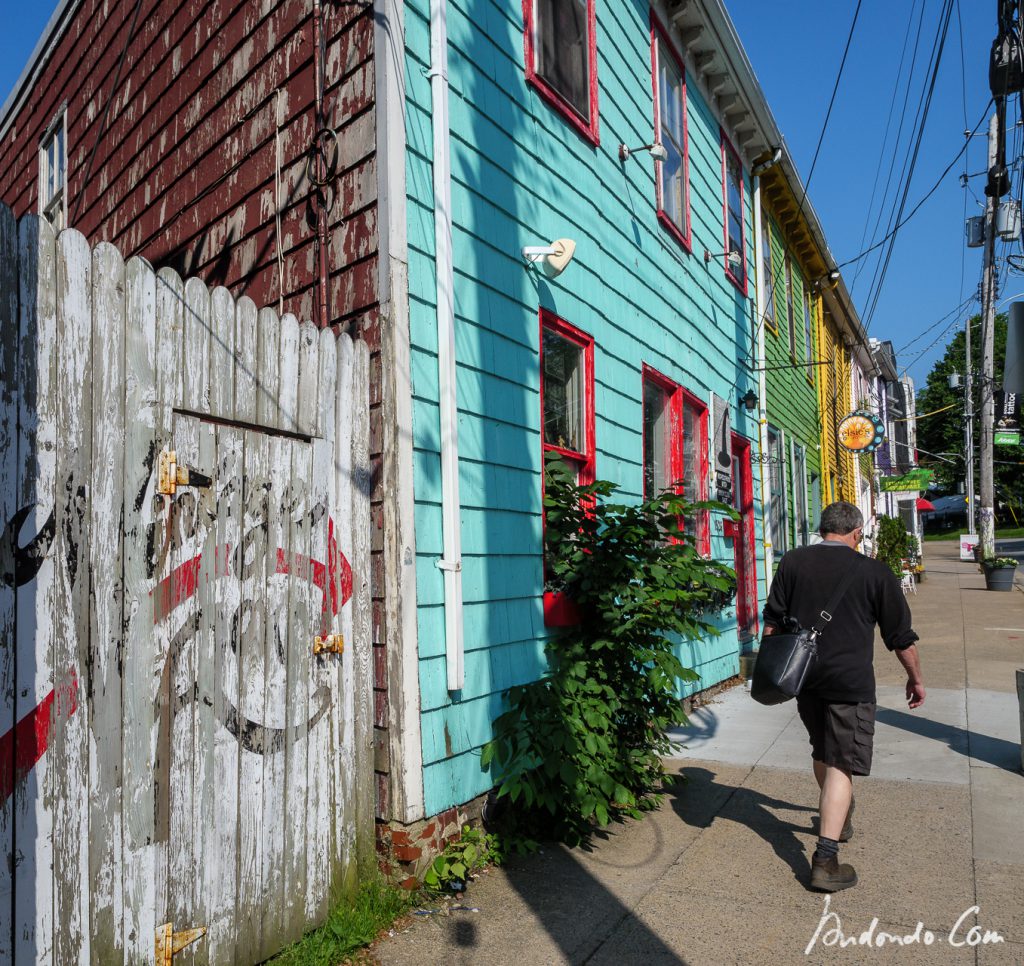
(171, 749)
(8, 507)
(34, 696)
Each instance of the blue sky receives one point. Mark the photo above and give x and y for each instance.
(796, 55)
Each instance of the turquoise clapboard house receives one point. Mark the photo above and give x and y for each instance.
(632, 362)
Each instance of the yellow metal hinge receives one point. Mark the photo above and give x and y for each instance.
(170, 475)
(169, 942)
(332, 644)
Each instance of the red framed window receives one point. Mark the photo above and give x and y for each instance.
(567, 394)
(560, 40)
(695, 470)
(672, 176)
(662, 434)
(675, 447)
(732, 201)
(567, 420)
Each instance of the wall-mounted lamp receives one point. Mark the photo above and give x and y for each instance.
(735, 258)
(749, 400)
(832, 278)
(656, 151)
(553, 257)
(774, 158)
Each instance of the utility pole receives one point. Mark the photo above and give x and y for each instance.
(986, 512)
(969, 432)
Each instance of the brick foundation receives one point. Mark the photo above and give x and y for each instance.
(404, 852)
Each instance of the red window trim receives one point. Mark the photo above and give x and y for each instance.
(560, 611)
(704, 521)
(749, 622)
(675, 418)
(679, 399)
(741, 284)
(685, 239)
(547, 92)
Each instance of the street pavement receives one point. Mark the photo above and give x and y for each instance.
(719, 874)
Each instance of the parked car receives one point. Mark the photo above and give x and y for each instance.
(950, 512)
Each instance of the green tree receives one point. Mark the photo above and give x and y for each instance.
(944, 432)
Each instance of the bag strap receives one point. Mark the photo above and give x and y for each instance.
(840, 592)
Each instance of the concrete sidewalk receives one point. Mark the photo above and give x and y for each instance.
(719, 874)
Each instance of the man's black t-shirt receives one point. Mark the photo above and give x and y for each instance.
(806, 579)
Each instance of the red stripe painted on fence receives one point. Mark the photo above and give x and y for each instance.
(27, 741)
(182, 583)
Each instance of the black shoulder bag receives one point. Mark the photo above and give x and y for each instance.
(784, 660)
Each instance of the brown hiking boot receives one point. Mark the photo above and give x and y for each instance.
(829, 876)
(847, 833)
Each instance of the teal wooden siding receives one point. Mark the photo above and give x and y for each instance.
(522, 175)
(792, 392)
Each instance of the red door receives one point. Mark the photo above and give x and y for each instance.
(744, 558)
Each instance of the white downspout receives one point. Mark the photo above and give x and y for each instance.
(762, 392)
(451, 562)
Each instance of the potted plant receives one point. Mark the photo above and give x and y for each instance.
(999, 572)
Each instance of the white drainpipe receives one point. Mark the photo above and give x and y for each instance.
(451, 562)
(762, 391)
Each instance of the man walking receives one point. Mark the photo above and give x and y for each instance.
(837, 702)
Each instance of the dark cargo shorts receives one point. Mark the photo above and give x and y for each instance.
(841, 735)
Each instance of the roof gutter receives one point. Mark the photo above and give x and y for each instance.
(45, 47)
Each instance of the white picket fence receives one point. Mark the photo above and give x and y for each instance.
(173, 754)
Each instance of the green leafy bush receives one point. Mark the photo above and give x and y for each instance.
(583, 744)
(999, 563)
(894, 544)
(454, 867)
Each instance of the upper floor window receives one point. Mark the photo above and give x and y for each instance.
(53, 196)
(670, 132)
(768, 268)
(808, 327)
(790, 316)
(567, 394)
(561, 58)
(732, 190)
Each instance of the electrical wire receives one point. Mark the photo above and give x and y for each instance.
(887, 258)
(885, 139)
(917, 207)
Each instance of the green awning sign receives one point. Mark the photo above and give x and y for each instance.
(914, 480)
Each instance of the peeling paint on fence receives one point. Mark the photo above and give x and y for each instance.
(171, 750)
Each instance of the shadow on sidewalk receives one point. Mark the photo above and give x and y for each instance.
(993, 751)
(747, 807)
(577, 910)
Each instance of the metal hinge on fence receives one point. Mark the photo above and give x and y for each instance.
(332, 644)
(170, 475)
(169, 942)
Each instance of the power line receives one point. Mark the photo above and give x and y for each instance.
(917, 207)
(887, 259)
(896, 143)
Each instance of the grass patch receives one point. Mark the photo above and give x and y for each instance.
(1006, 533)
(350, 927)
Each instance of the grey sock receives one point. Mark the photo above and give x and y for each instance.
(826, 848)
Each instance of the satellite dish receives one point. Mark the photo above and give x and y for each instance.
(562, 250)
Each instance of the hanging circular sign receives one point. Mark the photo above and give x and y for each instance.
(861, 432)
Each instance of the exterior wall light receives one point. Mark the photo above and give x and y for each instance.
(749, 400)
(735, 258)
(656, 151)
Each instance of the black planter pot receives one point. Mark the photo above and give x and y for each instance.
(999, 578)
